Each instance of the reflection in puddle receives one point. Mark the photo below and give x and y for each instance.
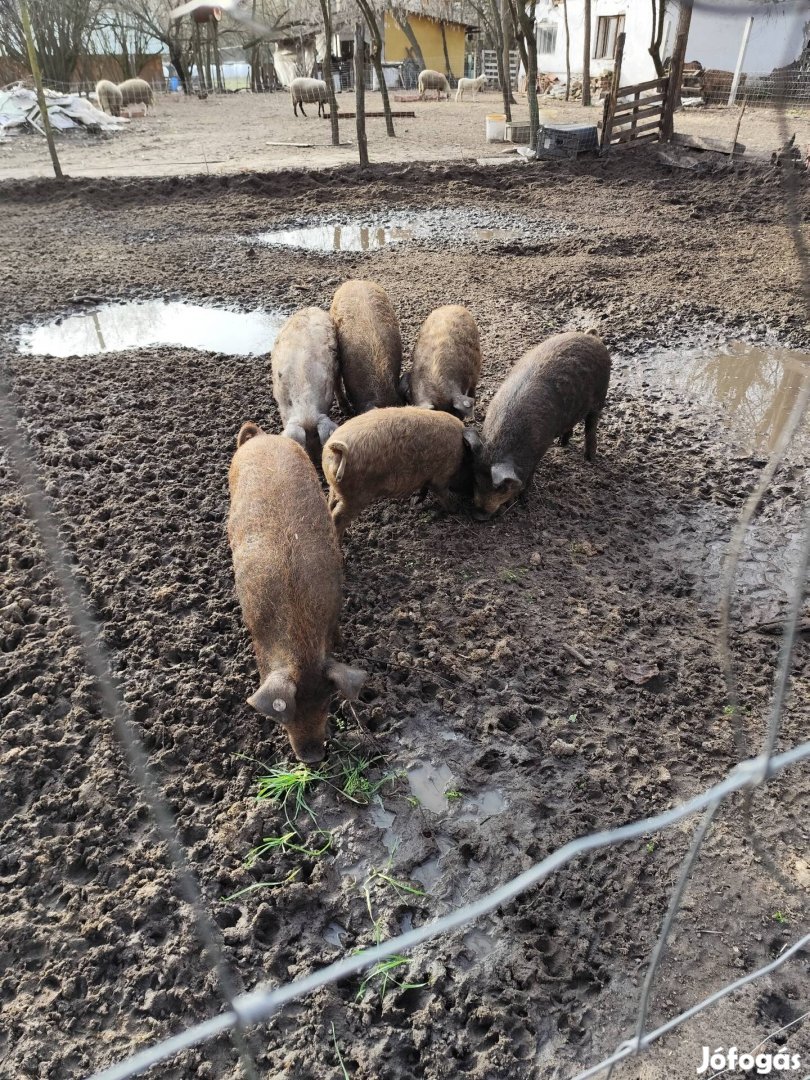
(428, 784)
(757, 386)
(384, 819)
(449, 226)
(114, 327)
(485, 804)
(350, 237)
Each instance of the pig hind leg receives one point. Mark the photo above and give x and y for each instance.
(565, 438)
(591, 423)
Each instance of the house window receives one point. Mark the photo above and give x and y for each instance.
(608, 28)
(546, 39)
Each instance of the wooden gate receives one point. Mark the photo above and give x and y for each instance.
(646, 109)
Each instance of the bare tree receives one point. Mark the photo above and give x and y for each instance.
(567, 53)
(523, 15)
(657, 35)
(62, 31)
(127, 38)
(326, 12)
(370, 15)
(586, 56)
(503, 73)
(152, 17)
(507, 59)
(360, 92)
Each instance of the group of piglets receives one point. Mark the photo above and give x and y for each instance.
(406, 435)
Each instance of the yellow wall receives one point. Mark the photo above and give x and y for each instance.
(429, 35)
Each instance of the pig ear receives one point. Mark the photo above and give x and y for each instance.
(276, 697)
(473, 441)
(463, 404)
(348, 680)
(248, 430)
(504, 474)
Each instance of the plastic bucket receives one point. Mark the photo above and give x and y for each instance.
(496, 127)
(174, 84)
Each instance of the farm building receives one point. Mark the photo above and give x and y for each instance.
(777, 36)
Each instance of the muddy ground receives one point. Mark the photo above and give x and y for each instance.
(554, 671)
(245, 132)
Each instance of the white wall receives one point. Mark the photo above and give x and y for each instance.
(777, 37)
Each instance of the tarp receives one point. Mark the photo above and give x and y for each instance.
(19, 112)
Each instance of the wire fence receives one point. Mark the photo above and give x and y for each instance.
(750, 774)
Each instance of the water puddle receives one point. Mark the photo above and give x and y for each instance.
(428, 784)
(478, 943)
(756, 386)
(698, 541)
(485, 804)
(376, 232)
(384, 819)
(426, 873)
(114, 327)
(334, 934)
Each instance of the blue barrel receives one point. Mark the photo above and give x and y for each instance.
(174, 84)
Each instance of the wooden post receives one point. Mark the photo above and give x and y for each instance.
(732, 97)
(673, 87)
(43, 108)
(611, 99)
(360, 90)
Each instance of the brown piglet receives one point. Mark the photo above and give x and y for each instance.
(390, 453)
(446, 362)
(288, 570)
(369, 346)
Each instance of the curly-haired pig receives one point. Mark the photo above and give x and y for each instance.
(390, 453)
(305, 370)
(369, 346)
(446, 362)
(288, 570)
(547, 392)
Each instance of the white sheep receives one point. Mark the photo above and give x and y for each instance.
(136, 92)
(309, 90)
(110, 98)
(433, 80)
(470, 84)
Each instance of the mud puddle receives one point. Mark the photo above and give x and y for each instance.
(115, 327)
(428, 785)
(376, 232)
(698, 542)
(754, 386)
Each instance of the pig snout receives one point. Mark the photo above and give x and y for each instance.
(310, 752)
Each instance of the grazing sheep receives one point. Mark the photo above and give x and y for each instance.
(289, 577)
(433, 80)
(446, 362)
(390, 453)
(305, 370)
(309, 90)
(549, 390)
(470, 84)
(369, 346)
(136, 92)
(110, 98)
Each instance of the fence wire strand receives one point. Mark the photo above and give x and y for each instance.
(257, 1006)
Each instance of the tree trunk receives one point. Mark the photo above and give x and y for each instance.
(217, 59)
(586, 57)
(376, 59)
(179, 65)
(360, 91)
(530, 33)
(404, 23)
(327, 72)
(657, 35)
(497, 29)
(447, 69)
(507, 66)
(567, 53)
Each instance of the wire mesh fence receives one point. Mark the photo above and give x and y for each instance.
(750, 774)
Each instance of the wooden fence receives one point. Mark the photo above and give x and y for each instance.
(646, 109)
